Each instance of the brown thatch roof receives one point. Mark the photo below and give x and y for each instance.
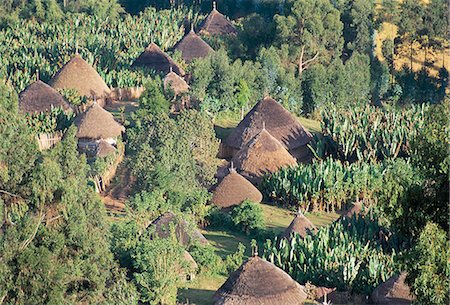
(78, 74)
(190, 260)
(217, 24)
(183, 233)
(393, 292)
(40, 97)
(262, 155)
(259, 282)
(97, 123)
(277, 120)
(234, 189)
(105, 149)
(300, 225)
(356, 209)
(193, 46)
(154, 58)
(176, 83)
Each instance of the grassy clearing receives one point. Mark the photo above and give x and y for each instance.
(200, 291)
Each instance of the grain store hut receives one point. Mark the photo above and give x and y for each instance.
(259, 282)
(176, 83)
(393, 292)
(154, 58)
(79, 75)
(301, 226)
(192, 46)
(39, 97)
(262, 155)
(279, 122)
(96, 125)
(217, 24)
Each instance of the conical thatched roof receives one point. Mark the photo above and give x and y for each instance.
(300, 225)
(217, 24)
(97, 123)
(259, 282)
(40, 97)
(183, 234)
(78, 74)
(176, 83)
(154, 58)
(355, 210)
(393, 292)
(193, 46)
(262, 155)
(105, 149)
(234, 189)
(278, 121)
(190, 260)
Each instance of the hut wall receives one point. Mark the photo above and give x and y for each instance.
(225, 151)
(126, 94)
(104, 180)
(302, 154)
(48, 140)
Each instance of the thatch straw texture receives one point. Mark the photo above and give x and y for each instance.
(279, 122)
(217, 24)
(258, 282)
(193, 46)
(355, 210)
(164, 224)
(79, 75)
(262, 155)
(105, 149)
(97, 123)
(40, 97)
(233, 190)
(176, 83)
(300, 225)
(393, 292)
(154, 58)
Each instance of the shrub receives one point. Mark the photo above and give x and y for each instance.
(248, 216)
(206, 258)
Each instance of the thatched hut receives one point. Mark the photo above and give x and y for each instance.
(259, 282)
(176, 83)
(393, 291)
(40, 97)
(279, 122)
(217, 24)
(233, 190)
(192, 46)
(263, 154)
(300, 225)
(192, 265)
(168, 224)
(105, 148)
(355, 210)
(154, 58)
(94, 126)
(79, 75)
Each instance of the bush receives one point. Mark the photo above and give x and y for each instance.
(206, 258)
(248, 216)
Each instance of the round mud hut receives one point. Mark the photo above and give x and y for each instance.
(192, 46)
(217, 24)
(96, 125)
(233, 190)
(154, 58)
(79, 75)
(300, 225)
(176, 83)
(393, 292)
(169, 224)
(262, 155)
(279, 122)
(40, 97)
(259, 282)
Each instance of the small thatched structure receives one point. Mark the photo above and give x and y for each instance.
(168, 224)
(176, 83)
(279, 122)
(259, 282)
(40, 97)
(97, 123)
(217, 24)
(393, 292)
(262, 155)
(192, 46)
(233, 190)
(105, 148)
(154, 58)
(300, 225)
(355, 210)
(79, 75)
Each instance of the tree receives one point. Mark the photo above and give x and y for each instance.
(313, 29)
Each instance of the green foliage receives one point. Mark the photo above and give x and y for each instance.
(48, 122)
(73, 97)
(207, 259)
(248, 216)
(347, 255)
(428, 268)
(153, 101)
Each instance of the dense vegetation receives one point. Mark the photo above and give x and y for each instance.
(383, 143)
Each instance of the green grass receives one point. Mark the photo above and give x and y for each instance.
(200, 291)
(226, 241)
